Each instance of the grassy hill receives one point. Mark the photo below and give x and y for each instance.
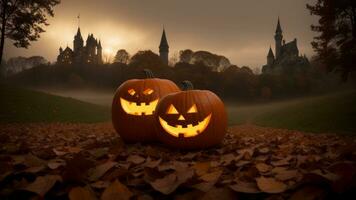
(331, 113)
(22, 105)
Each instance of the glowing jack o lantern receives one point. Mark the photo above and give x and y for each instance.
(191, 119)
(134, 106)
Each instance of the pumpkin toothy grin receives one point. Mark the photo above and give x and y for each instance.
(189, 131)
(133, 108)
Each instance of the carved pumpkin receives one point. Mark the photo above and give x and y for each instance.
(191, 119)
(134, 105)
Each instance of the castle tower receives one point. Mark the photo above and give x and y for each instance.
(78, 42)
(100, 53)
(164, 48)
(270, 57)
(278, 37)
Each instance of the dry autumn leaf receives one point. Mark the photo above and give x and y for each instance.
(170, 183)
(81, 193)
(263, 168)
(43, 184)
(270, 185)
(287, 175)
(245, 187)
(201, 168)
(219, 193)
(100, 170)
(55, 163)
(135, 159)
(211, 177)
(116, 191)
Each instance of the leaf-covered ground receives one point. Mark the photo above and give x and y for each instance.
(89, 161)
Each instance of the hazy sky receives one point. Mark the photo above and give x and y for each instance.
(241, 30)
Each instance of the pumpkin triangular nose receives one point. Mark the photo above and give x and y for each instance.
(181, 117)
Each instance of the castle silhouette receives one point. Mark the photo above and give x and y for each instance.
(286, 57)
(91, 53)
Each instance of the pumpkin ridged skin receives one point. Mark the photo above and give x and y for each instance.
(134, 128)
(206, 103)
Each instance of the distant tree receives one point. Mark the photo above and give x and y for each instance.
(174, 59)
(215, 62)
(185, 56)
(122, 56)
(145, 59)
(22, 21)
(336, 43)
(246, 69)
(18, 64)
(36, 60)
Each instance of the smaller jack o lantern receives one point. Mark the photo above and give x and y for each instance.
(134, 105)
(191, 119)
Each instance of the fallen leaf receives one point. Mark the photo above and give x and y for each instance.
(246, 153)
(35, 169)
(43, 184)
(263, 168)
(145, 197)
(116, 191)
(55, 163)
(166, 185)
(59, 152)
(287, 175)
(100, 184)
(99, 152)
(204, 186)
(263, 150)
(270, 185)
(211, 177)
(74, 149)
(76, 168)
(309, 193)
(98, 171)
(201, 168)
(81, 193)
(228, 158)
(279, 163)
(171, 182)
(135, 159)
(219, 193)
(152, 163)
(245, 187)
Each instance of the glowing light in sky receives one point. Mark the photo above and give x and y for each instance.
(108, 54)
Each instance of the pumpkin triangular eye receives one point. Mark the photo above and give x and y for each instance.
(131, 92)
(193, 109)
(148, 91)
(172, 110)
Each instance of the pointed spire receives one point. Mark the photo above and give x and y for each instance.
(79, 34)
(99, 45)
(270, 52)
(164, 42)
(278, 29)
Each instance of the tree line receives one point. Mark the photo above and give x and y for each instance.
(231, 83)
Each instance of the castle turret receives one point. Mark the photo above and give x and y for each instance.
(164, 48)
(78, 42)
(278, 38)
(270, 57)
(100, 53)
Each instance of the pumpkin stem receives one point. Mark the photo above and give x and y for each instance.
(187, 85)
(148, 73)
